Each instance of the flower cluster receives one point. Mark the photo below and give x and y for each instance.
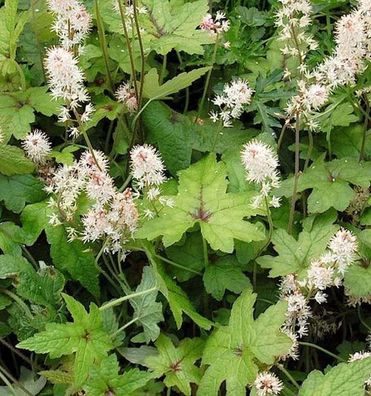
(72, 22)
(231, 102)
(65, 78)
(327, 271)
(292, 19)
(37, 146)
(261, 165)
(128, 8)
(352, 50)
(217, 25)
(267, 383)
(148, 172)
(112, 216)
(126, 95)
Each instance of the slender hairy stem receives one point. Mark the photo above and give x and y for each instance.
(309, 344)
(130, 50)
(30, 257)
(120, 300)
(310, 149)
(206, 253)
(16, 351)
(19, 301)
(297, 174)
(270, 225)
(15, 381)
(142, 56)
(208, 77)
(288, 375)
(7, 382)
(164, 259)
(365, 129)
(103, 44)
(361, 318)
(125, 326)
(163, 69)
(282, 134)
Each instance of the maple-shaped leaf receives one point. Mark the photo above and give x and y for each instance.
(105, 380)
(202, 199)
(294, 256)
(233, 352)
(225, 274)
(330, 183)
(171, 26)
(343, 380)
(177, 363)
(84, 337)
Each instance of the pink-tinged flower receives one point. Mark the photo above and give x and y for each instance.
(37, 146)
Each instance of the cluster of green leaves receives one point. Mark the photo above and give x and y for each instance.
(192, 308)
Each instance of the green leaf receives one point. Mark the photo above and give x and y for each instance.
(177, 363)
(347, 142)
(17, 109)
(11, 238)
(357, 281)
(153, 90)
(15, 191)
(74, 258)
(189, 255)
(13, 161)
(177, 298)
(171, 26)
(294, 256)
(105, 380)
(146, 309)
(232, 352)
(171, 132)
(84, 337)
(179, 304)
(225, 274)
(343, 379)
(42, 287)
(202, 199)
(330, 183)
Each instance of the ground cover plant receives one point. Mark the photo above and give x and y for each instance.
(185, 197)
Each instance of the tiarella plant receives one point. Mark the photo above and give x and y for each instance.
(185, 197)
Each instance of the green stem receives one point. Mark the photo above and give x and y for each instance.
(178, 265)
(16, 351)
(142, 56)
(297, 174)
(30, 257)
(208, 77)
(163, 69)
(7, 382)
(361, 319)
(288, 375)
(206, 253)
(19, 301)
(103, 44)
(310, 149)
(365, 129)
(217, 132)
(120, 300)
(130, 51)
(309, 344)
(282, 134)
(15, 381)
(126, 183)
(124, 327)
